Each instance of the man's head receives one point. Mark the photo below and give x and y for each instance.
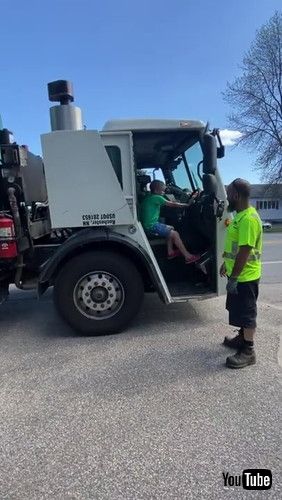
(238, 193)
(157, 187)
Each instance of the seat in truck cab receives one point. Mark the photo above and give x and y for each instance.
(141, 183)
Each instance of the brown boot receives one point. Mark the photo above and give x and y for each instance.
(235, 342)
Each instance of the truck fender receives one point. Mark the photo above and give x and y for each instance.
(85, 239)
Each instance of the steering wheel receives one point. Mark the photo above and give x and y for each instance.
(170, 188)
(196, 194)
(178, 192)
(184, 197)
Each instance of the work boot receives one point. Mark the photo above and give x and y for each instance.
(4, 291)
(235, 342)
(242, 358)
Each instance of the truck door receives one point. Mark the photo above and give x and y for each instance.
(119, 147)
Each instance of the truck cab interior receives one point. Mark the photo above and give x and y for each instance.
(181, 160)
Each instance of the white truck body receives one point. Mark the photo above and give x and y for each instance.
(87, 239)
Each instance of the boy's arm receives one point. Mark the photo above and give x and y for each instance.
(175, 204)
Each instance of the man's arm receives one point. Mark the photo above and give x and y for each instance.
(241, 260)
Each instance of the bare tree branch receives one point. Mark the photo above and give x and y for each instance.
(256, 97)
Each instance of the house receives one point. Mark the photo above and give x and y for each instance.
(267, 199)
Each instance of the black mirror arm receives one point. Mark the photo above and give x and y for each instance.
(221, 148)
(198, 170)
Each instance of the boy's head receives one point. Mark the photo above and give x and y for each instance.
(157, 187)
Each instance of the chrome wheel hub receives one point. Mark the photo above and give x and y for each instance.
(99, 295)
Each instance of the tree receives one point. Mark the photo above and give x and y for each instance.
(256, 97)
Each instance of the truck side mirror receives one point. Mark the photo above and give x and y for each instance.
(210, 154)
(220, 151)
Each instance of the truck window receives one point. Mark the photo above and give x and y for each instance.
(193, 156)
(181, 178)
(186, 173)
(115, 157)
(154, 174)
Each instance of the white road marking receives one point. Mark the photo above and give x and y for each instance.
(270, 242)
(272, 262)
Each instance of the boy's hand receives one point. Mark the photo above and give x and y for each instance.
(176, 204)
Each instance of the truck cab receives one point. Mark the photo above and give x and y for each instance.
(94, 251)
(183, 154)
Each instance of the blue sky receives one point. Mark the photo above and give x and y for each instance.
(148, 58)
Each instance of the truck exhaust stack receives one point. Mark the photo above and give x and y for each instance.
(64, 116)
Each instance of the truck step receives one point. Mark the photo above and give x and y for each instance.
(30, 284)
(183, 290)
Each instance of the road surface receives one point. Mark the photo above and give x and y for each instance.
(149, 414)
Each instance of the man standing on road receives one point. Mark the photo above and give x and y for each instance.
(242, 266)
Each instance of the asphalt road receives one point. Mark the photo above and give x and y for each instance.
(149, 414)
(272, 258)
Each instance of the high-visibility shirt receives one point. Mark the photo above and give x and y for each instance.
(244, 230)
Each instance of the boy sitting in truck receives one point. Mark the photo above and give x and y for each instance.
(150, 214)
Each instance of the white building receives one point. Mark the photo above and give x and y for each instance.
(267, 199)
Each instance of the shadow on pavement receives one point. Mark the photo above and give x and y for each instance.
(24, 308)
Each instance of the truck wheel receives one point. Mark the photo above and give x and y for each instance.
(98, 293)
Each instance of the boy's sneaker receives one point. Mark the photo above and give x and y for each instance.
(235, 342)
(173, 254)
(241, 359)
(192, 259)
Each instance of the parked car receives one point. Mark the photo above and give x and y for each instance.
(266, 226)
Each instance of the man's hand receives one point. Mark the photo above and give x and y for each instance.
(231, 286)
(222, 270)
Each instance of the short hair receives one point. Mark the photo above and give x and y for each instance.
(242, 187)
(155, 185)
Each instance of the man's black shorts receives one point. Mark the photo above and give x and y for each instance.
(242, 308)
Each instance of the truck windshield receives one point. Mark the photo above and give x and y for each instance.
(186, 174)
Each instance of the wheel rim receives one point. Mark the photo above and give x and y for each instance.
(98, 295)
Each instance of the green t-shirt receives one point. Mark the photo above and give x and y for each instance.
(244, 230)
(150, 209)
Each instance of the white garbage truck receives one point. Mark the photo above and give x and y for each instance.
(71, 218)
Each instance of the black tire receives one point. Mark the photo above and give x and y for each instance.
(116, 265)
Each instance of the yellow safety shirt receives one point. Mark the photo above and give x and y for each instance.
(244, 230)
